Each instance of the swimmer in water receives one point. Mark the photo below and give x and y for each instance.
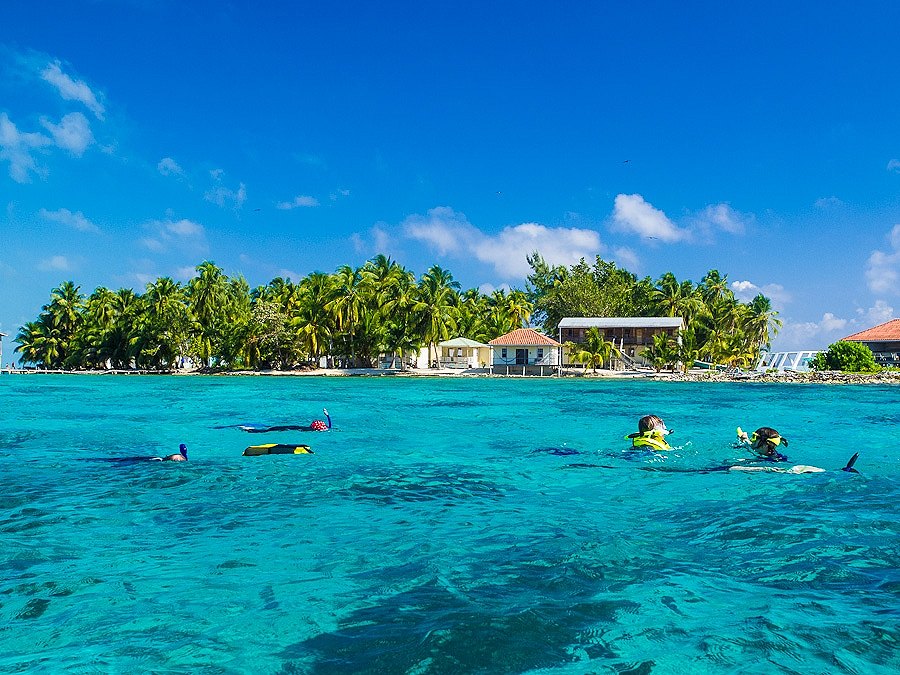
(764, 442)
(651, 434)
(315, 425)
(180, 457)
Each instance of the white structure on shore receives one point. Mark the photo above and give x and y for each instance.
(797, 361)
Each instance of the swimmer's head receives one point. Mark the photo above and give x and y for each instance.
(653, 423)
(183, 450)
(766, 440)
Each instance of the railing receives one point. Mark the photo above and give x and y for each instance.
(511, 361)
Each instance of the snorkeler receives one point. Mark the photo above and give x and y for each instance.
(764, 443)
(651, 434)
(315, 425)
(181, 456)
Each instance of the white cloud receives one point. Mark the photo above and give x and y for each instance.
(168, 233)
(442, 228)
(894, 165)
(71, 89)
(722, 217)
(223, 196)
(747, 290)
(184, 273)
(152, 244)
(828, 203)
(17, 147)
(449, 232)
(298, 201)
(57, 263)
(632, 214)
(217, 174)
(73, 133)
(169, 167)
(296, 277)
(183, 228)
(378, 240)
(74, 220)
(627, 258)
(508, 250)
(830, 328)
(883, 267)
(875, 315)
(340, 193)
(488, 289)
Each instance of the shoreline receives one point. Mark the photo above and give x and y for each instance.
(824, 377)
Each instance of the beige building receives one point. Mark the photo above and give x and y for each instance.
(631, 335)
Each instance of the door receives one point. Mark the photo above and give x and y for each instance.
(521, 357)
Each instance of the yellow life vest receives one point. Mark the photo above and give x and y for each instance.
(649, 439)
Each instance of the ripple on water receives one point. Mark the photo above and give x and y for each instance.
(435, 531)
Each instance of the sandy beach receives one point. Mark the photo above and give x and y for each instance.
(812, 377)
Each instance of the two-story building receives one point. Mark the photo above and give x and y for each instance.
(631, 335)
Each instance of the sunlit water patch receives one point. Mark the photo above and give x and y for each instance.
(443, 526)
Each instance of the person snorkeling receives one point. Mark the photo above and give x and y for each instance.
(180, 456)
(651, 434)
(315, 425)
(764, 442)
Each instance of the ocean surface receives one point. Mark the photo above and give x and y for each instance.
(443, 526)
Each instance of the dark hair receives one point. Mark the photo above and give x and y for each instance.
(766, 433)
(650, 422)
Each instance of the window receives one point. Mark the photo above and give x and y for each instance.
(540, 353)
(503, 353)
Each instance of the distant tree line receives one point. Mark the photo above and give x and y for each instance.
(356, 314)
(719, 328)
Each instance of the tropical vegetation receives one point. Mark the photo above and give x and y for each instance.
(356, 315)
(719, 328)
(849, 357)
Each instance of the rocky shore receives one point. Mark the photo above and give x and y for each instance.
(813, 377)
(823, 377)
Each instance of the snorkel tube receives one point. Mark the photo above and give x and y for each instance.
(183, 450)
(319, 425)
(763, 442)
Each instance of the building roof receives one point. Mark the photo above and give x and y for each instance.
(461, 342)
(524, 337)
(622, 322)
(885, 332)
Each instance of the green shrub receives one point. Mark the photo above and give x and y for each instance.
(850, 357)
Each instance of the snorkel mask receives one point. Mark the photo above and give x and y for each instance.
(755, 439)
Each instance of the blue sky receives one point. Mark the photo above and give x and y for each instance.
(139, 138)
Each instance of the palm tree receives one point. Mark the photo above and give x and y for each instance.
(687, 351)
(349, 299)
(29, 342)
(713, 287)
(401, 312)
(438, 293)
(312, 320)
(662, 352)
(594, 351)
(207, 294)
(761, 319)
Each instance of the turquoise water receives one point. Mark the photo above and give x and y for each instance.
(443, 526)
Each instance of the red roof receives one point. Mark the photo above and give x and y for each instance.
(885, 332)
(524, 337)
